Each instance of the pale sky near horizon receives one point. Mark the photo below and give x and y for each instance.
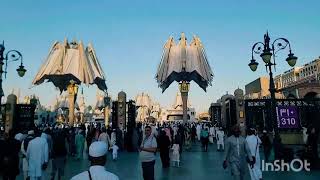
(128, 37)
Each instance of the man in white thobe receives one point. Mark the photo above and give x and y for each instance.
(216, 129)
(304, 135)
(24, 146)
(237, 150)
(37, 156)
(175, 131)
(253, 143)
(198, 131)
(220, 139)
(98, 158)
(105, 137)
(113, 138)
(47, 137)
(212, 134)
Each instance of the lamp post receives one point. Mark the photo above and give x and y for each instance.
(5, 58)
(268, 55)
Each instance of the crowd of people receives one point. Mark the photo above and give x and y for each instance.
(30, 152)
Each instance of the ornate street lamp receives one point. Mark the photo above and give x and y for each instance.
(267, 53)
(21, 70)
(253, 65)
(12, 55)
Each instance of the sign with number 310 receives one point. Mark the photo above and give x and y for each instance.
(287, 117)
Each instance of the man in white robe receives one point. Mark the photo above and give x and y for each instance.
(37, 156)
(98, 157)
(198, 131)
(105, 137)
(175, 130)
(237, 150)
(304, 135)
(24, 146)
(216, 129)
(113, 138)
(47, 137)
(220, 139)
(254, 143)
(212, 134)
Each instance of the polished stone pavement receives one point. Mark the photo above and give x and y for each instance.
(195, 165)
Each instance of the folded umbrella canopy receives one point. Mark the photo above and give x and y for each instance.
(71, 61)
(183, 62)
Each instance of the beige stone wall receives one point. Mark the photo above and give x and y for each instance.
(306, 90)
(264, 87)
(261, 87)
(291, 138)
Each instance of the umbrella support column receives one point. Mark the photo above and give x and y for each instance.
(184, 97)
(71, 109)
(72, 90)
(106, 115)
(184, 90)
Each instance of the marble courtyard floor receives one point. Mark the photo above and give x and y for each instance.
(195, 165)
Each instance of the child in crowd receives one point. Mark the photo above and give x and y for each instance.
(115, 149)
(175, 155)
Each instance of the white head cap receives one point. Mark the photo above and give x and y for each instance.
(18, 137)
(98, 149)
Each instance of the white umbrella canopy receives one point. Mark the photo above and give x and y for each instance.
(71, 61)
(183, 62)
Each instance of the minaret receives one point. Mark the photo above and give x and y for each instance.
(81, 98)
(97, 95)
(18, 96)
(81, 106)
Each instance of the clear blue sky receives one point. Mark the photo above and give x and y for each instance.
(129, 35)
